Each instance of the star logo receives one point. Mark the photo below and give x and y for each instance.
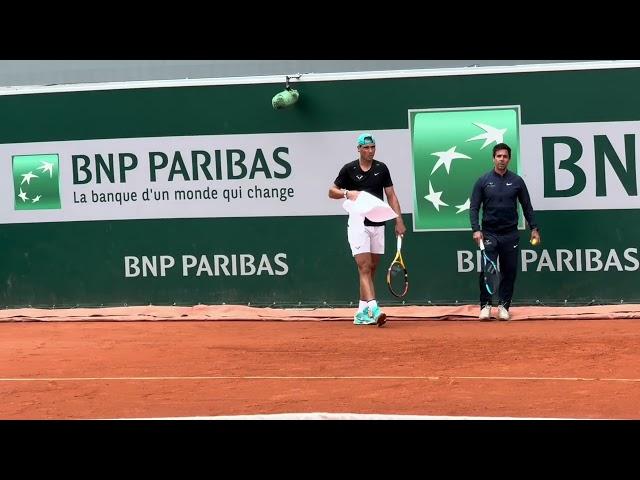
(445, 158)
(434, 198)
(490, 135)
(26, 177)
(449, 153)
(36, 182)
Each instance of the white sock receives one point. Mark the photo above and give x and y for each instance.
(362, 305)
(372, 304)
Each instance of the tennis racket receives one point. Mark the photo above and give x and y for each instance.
(397, 278)
(490, 272)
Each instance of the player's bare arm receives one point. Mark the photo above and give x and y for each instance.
(338, 193)
(394, 203)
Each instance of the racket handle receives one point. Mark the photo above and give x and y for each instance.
(399, 242)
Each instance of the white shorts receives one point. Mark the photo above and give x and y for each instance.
(366, 239)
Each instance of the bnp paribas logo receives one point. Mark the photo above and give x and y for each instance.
(36, 181)
(451, 149)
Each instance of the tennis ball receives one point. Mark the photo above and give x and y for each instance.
(534, 241)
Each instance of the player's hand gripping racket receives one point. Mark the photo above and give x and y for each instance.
(397, 278)
(490, 272)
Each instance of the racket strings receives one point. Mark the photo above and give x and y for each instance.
(489, 266)
(491, 275)
(397, 280)
(396, 270)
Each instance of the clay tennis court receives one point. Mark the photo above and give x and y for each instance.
(204, 361)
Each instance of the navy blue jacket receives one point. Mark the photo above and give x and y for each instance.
(498, 196)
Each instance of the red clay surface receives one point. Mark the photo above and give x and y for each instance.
(526, 368)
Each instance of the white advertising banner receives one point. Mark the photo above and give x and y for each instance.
(187, 177)
(581, 166)
(574, 166)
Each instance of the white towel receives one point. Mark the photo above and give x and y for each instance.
(367, 205)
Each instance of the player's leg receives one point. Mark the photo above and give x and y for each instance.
(364, 263)
(360, 244)
(376, 235)
(486, 302)
(509, 251)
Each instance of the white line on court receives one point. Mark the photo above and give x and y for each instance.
(311, 377)
(340, 416)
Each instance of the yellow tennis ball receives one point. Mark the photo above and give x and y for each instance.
(534, 241)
